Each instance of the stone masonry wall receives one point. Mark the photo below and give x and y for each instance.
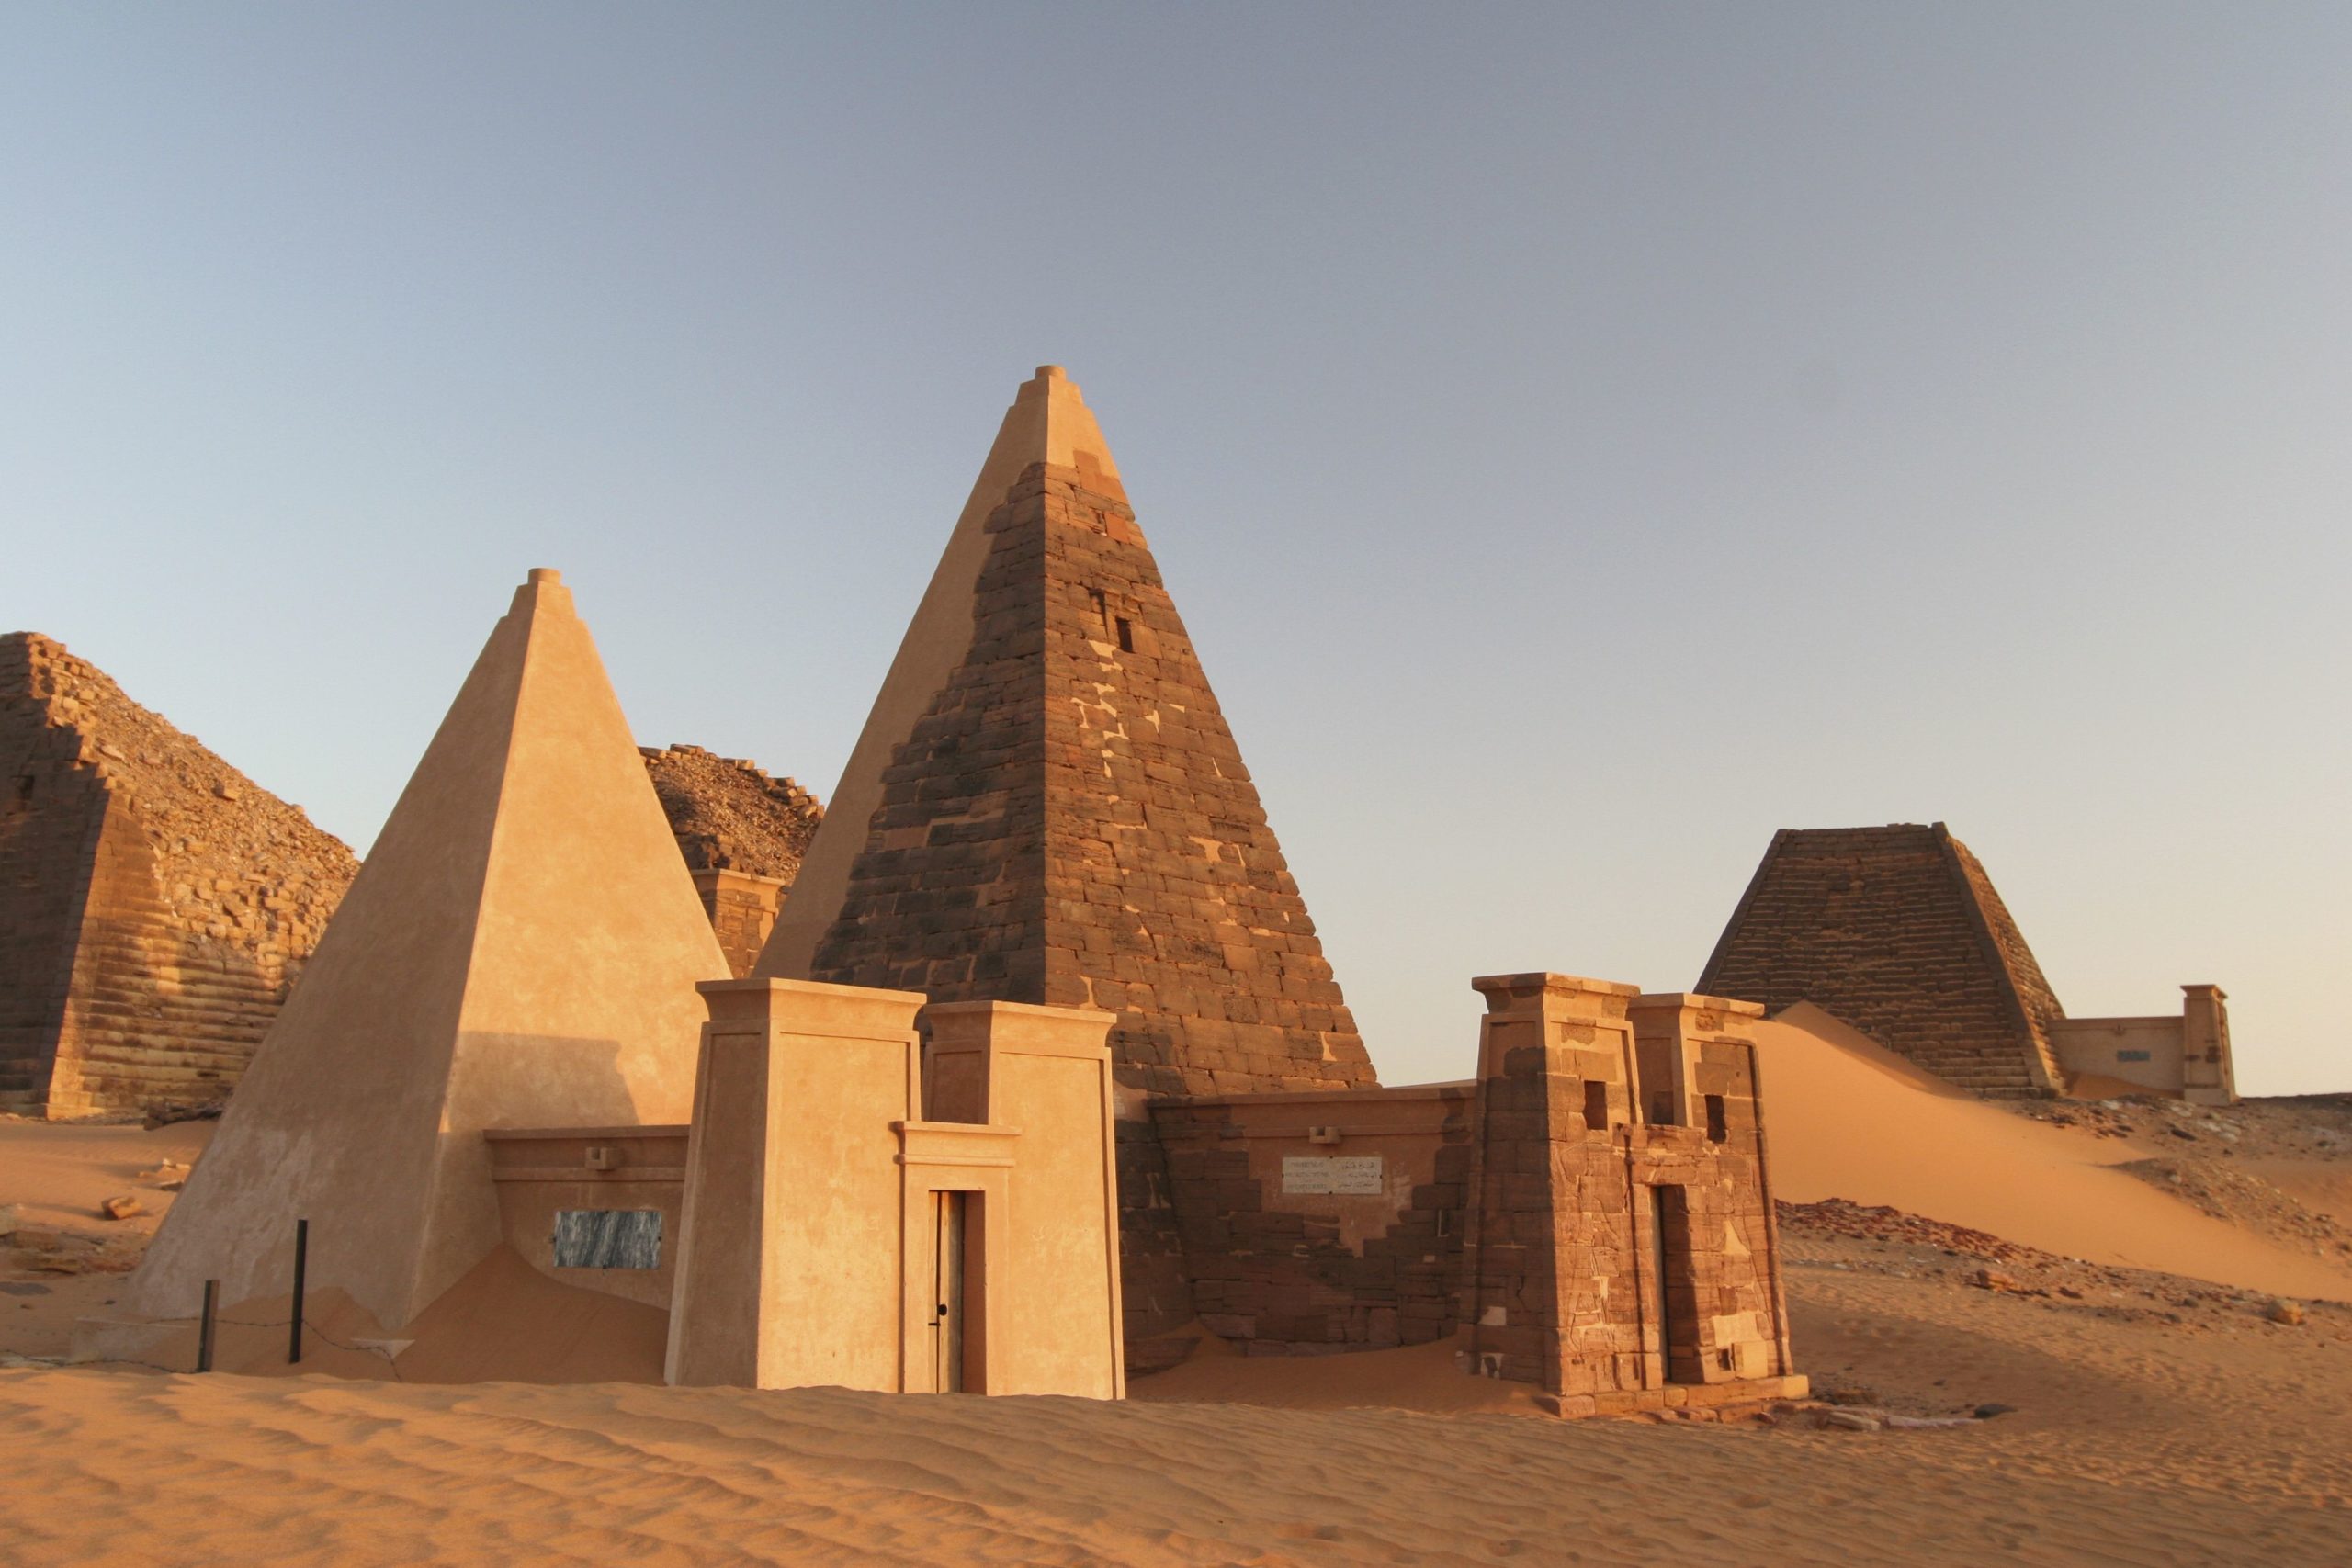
(1291, 1272)
(154, 903)
(1899, 931)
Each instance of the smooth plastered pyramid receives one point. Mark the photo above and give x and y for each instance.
(520, 949)
(1046, 805)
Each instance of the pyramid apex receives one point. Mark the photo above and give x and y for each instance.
(543, 588)
(1050, 423)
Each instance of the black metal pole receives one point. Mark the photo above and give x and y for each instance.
(204, 1332)
(301, 1261)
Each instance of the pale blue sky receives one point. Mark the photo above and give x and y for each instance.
(1581, 439)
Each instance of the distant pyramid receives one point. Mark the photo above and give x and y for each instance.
(1046, 806)
(742, 834)
(1899, 932)
(520, 950)
(155, 902)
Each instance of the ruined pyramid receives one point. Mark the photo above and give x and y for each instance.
(1898, 931)
(520, 950)
(155, 902)
(1046, 806)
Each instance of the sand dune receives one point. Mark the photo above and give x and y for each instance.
(2149, 1430)
(2136, 1444)
(1849, 1119)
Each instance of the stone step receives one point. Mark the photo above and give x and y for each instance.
(238, 1007)
(120, 1043)
(229, 1054)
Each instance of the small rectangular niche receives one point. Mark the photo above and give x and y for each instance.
(608, 1238)
(1718, 1126)
(1126, 635)
(1596, 1105)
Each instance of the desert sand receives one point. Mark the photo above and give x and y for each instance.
(2163, 1414)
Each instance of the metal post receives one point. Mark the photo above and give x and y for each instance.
(301, 1261)
(204, 1330)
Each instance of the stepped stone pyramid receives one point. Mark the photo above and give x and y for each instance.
(1898, 931)
(1046, 806)
(155, 902)
(520, 950)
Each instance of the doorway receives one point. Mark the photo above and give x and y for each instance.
(1678, 1294)
(954, 1279)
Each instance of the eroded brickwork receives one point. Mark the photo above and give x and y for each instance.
(1897, 931)
(729, 814)
(154, 903)
(1279, 1272)
(742, 834)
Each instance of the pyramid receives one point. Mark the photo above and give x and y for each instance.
(1898, 931)
(520, 949)
(1048, 806)
(155, 902)
(742, 834)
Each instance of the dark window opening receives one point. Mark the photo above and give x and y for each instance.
(1662, 1108)
(1127, 635)
(1717, 1128)
(1596, 1105)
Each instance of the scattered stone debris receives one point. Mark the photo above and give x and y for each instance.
(1840, 1217)
(1877, 1418)
(124, 1206)
(1846, 1237)
(162, 1115)
(2290, 1312)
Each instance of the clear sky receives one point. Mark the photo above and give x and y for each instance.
(1580, 439)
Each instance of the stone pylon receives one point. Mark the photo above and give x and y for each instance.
(521, 948)
(1046, 806)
